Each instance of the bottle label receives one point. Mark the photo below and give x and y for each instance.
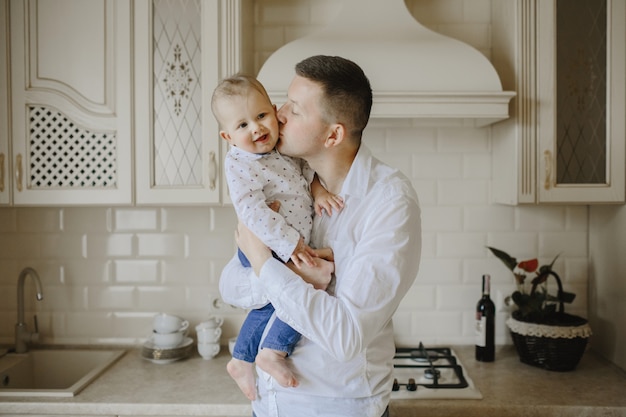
(481, 330)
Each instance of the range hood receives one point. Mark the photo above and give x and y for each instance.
(415, 72)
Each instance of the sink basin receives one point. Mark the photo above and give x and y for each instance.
(53, 373)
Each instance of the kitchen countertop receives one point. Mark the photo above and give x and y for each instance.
(197, 387)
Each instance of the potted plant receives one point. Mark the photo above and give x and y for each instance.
(544, 335)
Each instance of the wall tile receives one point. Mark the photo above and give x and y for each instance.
(39, 220)
(168, 245)
(111, 298)
(87, 220)
(492, 218)
(108, 245)
(63, 246)
(136, 220)
(442, 219)
(463, 192)
(137, 271)
(8, 220)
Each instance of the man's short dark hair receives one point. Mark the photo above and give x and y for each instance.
(347, 94)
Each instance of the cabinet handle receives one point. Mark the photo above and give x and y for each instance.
(547, 184)
(212, 170)
(1, 172)
(18, 171)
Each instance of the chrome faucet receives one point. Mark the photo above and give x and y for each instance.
(22, 335)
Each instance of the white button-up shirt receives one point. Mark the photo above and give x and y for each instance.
(343, 362)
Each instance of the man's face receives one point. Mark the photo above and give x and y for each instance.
(302, 128)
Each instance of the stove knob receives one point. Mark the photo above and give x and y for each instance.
(411, 386)
(396, 386)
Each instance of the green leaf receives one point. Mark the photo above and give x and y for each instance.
(508, 260)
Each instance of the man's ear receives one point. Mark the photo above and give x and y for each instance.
(336, 135)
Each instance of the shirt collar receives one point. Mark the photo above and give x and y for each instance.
(357, 180)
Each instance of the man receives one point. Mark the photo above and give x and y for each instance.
(343, 361)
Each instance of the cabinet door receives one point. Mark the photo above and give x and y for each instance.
(182, 49)
(71, 102)
(565, 140)
(5, 183)
(581, 93)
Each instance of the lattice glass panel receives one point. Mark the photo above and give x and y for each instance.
(581, 91)
(177, 93)
(64, 155)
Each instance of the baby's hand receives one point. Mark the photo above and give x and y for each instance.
(326, 201)
(303, 253)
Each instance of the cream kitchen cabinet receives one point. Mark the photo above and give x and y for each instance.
(182, 49)
(565, 140)
(5, 104)
(71, 115)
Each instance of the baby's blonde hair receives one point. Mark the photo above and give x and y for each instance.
(234, 86)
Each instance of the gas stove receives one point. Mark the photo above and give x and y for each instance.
(430, 373)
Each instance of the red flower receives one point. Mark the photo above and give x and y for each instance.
(529, 266)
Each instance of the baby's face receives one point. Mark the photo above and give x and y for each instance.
(250, 122)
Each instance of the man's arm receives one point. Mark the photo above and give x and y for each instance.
(240, 287)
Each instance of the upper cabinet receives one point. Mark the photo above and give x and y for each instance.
(5, 104)
(566, 140)
(182, 49)
(89, 85)
(71, 95)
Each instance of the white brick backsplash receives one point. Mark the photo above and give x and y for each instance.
(441, 219)
(107, 270)
(569, 244)
(137, 271)
(63, 246)
(493, 218)
(437, 166)
(278, 13)
(163, 245)
(547, 219)
(87, 220)
(460, 245)
(440, 271)
(111, 298)
(419, 297)
(437, 324)
(463, 192)
(107, 245)
(477, 166)
(39, 220)
(165, 298)
(136, 220)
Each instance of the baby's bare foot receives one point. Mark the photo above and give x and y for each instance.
(274, 363)
(243, 374)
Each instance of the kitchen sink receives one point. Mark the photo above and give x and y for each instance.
(53, 372)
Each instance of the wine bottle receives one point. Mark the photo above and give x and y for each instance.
(485, 325)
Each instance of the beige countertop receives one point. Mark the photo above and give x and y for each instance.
(196, 387)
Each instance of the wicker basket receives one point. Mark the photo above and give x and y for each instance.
(556, 347)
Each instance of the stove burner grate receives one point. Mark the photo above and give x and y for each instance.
(429, 362)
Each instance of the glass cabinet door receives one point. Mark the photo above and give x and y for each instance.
(581, 94)
(177, 67)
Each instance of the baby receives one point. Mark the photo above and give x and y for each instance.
(257, 176)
